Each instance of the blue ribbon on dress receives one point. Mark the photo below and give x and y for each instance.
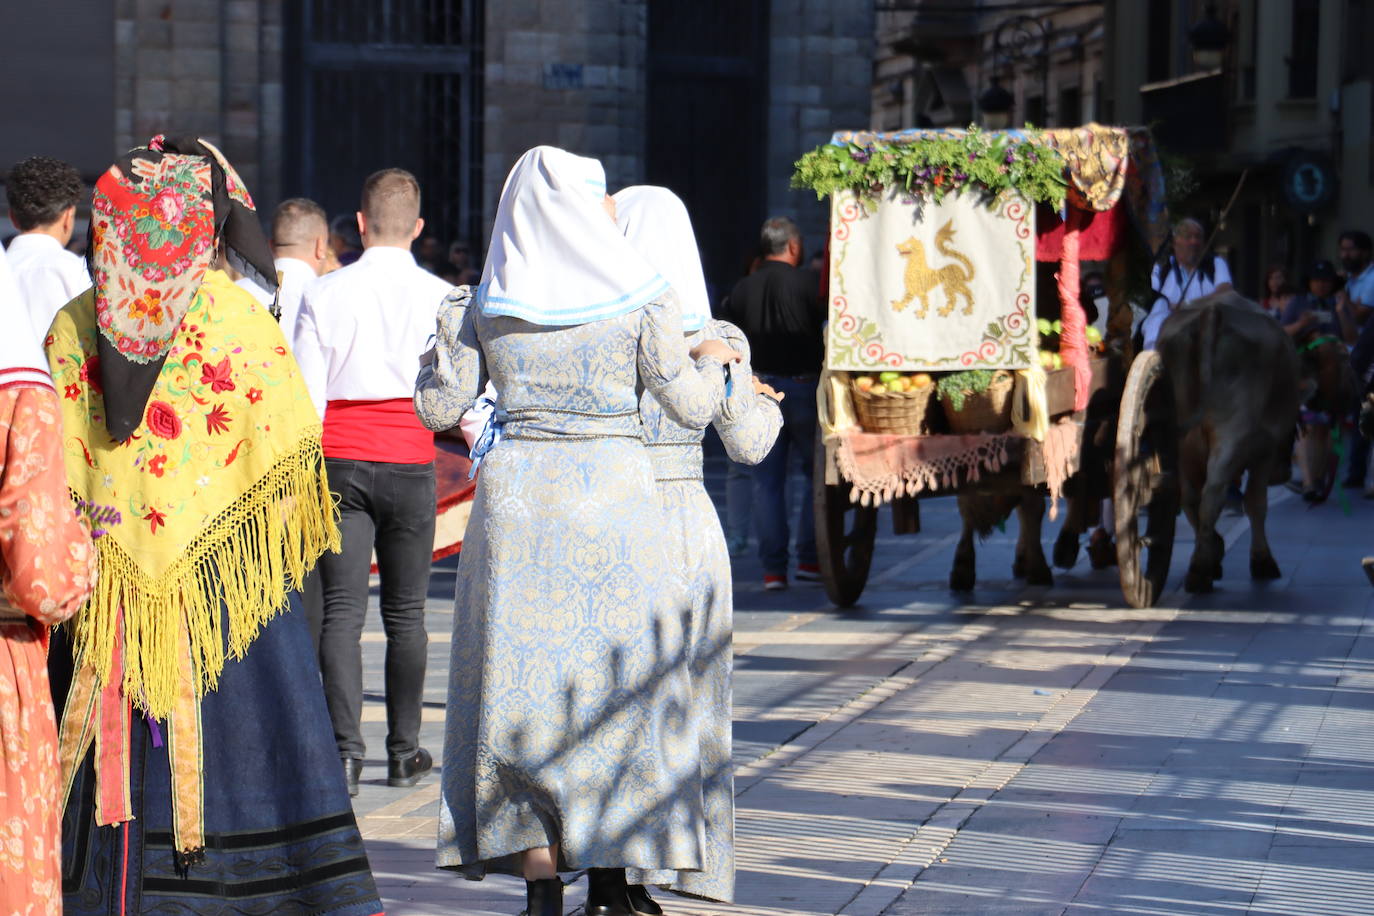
(486, 441)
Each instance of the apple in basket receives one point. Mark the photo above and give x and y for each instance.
(879, 388)
(864, 382)
(921, 380)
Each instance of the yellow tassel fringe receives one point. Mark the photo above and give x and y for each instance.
(238, 572)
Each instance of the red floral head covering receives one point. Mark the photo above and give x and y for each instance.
(157, 216)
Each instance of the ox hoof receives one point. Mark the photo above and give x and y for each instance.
(1264, 567)
(1198, 583)
(1102, 552)
(1066, 550)
(961, 580)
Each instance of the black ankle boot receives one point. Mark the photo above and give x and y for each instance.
(641, 903)
(544, 897)
(607, 893)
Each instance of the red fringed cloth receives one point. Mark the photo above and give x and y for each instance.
(881, 467)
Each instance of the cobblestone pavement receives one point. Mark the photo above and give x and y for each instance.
(1021, 750)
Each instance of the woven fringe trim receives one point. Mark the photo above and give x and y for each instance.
(946, 472)
(260, 546)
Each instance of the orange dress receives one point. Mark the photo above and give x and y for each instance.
(46, 567)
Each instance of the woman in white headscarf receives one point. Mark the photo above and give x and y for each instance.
(569, 740)
(657, 224)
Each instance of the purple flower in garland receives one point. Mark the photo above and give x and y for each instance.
(1010, 157)
(972, 157)
(960, 176)
(861, 155)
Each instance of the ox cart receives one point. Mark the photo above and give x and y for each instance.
(956, 365)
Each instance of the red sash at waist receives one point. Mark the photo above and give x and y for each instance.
(385, 431)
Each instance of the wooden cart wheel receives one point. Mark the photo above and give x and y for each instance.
(845, 532)
(1146, 478)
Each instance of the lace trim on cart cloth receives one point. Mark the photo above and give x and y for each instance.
(881, 467)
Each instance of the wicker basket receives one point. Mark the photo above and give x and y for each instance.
(903, 413)
(987, 411)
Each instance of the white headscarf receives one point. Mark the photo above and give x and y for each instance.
(555, 257)
(21, 346)
(656, 222)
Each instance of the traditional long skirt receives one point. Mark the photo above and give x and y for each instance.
(698, 554)
(568, 705)
(29, 777)
(280, 836)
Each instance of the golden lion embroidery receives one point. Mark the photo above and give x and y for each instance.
(921, 278)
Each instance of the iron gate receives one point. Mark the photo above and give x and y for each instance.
(388, 83)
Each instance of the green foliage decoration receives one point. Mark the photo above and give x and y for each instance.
(957, 386)
(936, 165)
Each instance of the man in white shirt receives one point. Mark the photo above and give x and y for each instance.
(358, 341)
(300, 246)
(43, 194)
(1185, 276)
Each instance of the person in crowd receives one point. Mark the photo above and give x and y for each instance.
(1357, 262)
(779, 310)
(1185, 275)
(429, 254)
(43, 194)
(344, 240)
(300, 248)
(460, 255)
(657, 224)
(1315, 311)
(185, 416)
(1315, 315)
(47, 568)
(1278, 291)
(563, 749)
(359, 334)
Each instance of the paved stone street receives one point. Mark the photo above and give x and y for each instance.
(1028, 750)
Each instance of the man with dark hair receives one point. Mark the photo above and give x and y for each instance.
(780, 310)
(358, 340)
(344, 240)
(43, 194)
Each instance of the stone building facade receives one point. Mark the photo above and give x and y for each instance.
(716, 98)
(1288, 102)
(934, 61)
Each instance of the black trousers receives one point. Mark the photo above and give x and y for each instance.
(389, 508)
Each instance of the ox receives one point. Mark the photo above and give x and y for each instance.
(1236, 386)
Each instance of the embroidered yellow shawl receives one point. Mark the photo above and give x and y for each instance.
(221, 489)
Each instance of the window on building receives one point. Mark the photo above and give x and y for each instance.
(1159, 41)
(1251, 52)
(1070, 112)
(1302, 50)
(1356, 61)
